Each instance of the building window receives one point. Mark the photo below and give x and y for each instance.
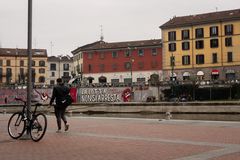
(229, 56)
(41, 79)
(140, 52)
(172, 47)
(154, 64)
(200, 44)
(200, 59)
(185, 60)
(228, 29)
(127, 53)
(41, 70)
(140, 65)
(22, 63)
(41, 63)
(53, 67)
(89, 68)
(172, 61)
(213, 31)
(101, 67)
(127, 65)
(90, 55)
(52, 82)
(214, 58)
(228, 41)
(199, 33)
(185, 45)
(33, 63)
(1, 75)
(65, 74)
(53, 74)
(214, 43)
(101, 55)
(172, 36)
(114, 54)
(66, 67)
(8, 75)
(21, 76)
(114, 81)
(185, 34)
(1, 62)
(154, 51)
(8, 62)
(114, 67)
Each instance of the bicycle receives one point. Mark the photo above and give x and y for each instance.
(35, 124)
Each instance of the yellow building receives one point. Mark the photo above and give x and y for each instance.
(14, 66)
(204, 46)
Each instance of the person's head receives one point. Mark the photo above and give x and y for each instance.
(59, 81)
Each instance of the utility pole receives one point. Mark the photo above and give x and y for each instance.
(29, 82)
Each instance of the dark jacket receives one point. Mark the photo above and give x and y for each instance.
(59, 93)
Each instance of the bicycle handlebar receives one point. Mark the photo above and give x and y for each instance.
(19, 99)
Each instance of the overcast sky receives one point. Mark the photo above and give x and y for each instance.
(69, 24)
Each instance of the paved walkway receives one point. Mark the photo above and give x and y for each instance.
(127, 139)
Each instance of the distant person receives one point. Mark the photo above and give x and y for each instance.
(60, 91)
(6, 100)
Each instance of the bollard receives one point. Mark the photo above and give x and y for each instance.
(70, 113)
(168, 115)
(4, 111)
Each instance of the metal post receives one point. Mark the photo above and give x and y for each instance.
(172, 70)
(60, 56)
(29, 52)
(132, 60)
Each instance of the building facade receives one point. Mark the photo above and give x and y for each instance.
(204, 46)
(119, 62)
(59, 67)
(14, 66)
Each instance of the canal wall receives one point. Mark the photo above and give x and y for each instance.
(220, 107)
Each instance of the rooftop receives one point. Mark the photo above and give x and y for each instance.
(22, 52)
(101, 45)
(200, 19)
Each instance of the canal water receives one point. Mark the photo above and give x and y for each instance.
(207, 117)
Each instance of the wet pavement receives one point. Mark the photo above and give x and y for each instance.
(96, 138)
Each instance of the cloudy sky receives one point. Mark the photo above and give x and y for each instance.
(61, 26)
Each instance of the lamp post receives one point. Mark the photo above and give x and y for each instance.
(29, 80)
(131, 62)
(59, 66)
(131, 69)
(172, 72)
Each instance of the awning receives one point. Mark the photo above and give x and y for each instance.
(90, 78)
(186, 74)
(230, 71)
(215, 72)
(200, 73)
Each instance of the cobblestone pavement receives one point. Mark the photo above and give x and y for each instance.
(127, 139)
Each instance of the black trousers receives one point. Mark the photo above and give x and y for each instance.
(60, 114)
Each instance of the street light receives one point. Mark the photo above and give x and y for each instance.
(131, 62)
(59, 69)
(131, 69)
(172, 72)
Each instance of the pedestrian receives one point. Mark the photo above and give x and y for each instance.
(60, 91)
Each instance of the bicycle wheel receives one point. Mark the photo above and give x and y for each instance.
(16, 125)
(38, 127)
